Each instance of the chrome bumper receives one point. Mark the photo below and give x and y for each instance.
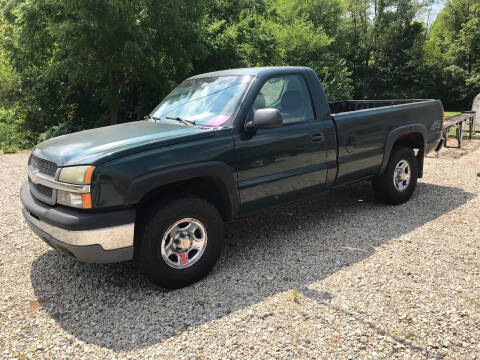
(109, 238)
(104, 245)
(96, 237)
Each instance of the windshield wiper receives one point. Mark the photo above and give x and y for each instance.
(152, 118)
(177, 118)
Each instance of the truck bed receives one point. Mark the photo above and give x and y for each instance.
(363, 135)
(354, 105)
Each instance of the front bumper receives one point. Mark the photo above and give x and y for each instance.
(98, 237)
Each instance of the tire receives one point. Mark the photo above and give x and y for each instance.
(397, 190)
(159, 236)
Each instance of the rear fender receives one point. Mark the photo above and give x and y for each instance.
(397, 134)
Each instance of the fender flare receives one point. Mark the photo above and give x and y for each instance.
(220, 171)
(394, 135)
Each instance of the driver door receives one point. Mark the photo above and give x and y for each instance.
(282, 164)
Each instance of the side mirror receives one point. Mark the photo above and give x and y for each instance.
(264, 119)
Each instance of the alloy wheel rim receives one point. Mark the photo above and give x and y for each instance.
(184, 243)
(402, 175)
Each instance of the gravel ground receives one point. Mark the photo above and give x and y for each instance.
(339, 276)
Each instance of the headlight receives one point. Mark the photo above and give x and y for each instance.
(76, 174)
(79, 175)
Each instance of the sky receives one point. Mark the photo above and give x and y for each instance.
(437, 7)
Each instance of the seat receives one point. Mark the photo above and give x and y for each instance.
(292, 106)
(259, 102)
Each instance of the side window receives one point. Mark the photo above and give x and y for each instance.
(289, 95)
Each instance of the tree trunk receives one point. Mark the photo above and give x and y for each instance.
(113, 116)
(112, 107)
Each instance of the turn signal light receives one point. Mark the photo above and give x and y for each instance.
(87, 201)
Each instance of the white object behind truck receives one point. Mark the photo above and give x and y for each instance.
(476, 108)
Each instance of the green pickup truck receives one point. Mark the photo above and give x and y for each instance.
(221, 146)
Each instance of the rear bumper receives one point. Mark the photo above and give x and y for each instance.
(98, 237)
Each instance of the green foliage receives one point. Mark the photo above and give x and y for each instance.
(69, 65)
(295, 295)
(398, 43)
(314, 25)
(453, 53)
(385, 47)
(12, 135)
(357, 47)
(9, 82)
(93, 63)
(12, 117)
(279, 32)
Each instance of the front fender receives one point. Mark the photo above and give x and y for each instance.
(147, 183)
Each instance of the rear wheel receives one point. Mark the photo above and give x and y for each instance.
(399, 180)
(180, 241)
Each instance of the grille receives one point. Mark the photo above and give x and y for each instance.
(43, 166)
(45, 191)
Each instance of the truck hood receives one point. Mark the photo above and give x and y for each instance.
(91, 147)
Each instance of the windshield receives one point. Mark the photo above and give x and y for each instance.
(209, 101)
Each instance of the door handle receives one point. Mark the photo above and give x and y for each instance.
(317, 138)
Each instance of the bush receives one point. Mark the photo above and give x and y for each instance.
(65, 128)
(12, 135)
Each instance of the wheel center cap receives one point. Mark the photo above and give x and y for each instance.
(401, 175)
(181, 242)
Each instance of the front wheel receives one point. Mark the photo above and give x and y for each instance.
(180, 241)
(399, 180)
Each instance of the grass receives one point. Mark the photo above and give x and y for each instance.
(295, 295)
(13, 150)
(451, 113)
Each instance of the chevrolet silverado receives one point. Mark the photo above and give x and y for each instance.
(220, 146)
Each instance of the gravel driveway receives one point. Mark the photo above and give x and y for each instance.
(338, 276)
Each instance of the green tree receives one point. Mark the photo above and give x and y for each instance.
(398, 40)
(280, 32)
(66, 65)
(384, 52)
(453, 54)
(12, 133)
(94, 62)
(356, 36)
(308, 34)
